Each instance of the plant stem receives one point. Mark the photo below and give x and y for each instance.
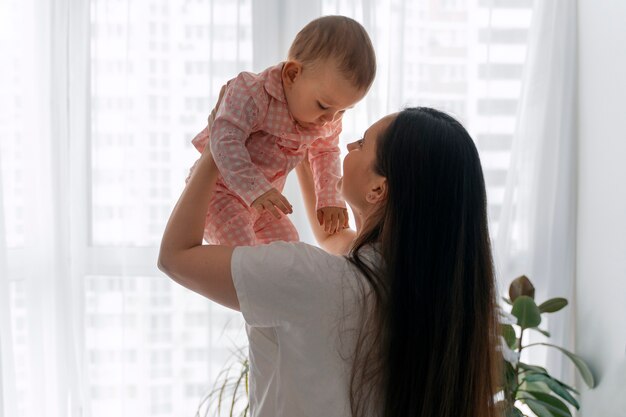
(519, 350)
(532, 344)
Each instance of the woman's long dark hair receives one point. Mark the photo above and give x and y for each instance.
(428, 345)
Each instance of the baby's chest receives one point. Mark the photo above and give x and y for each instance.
(280, 142)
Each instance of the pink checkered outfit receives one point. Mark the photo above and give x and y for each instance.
(255, 143)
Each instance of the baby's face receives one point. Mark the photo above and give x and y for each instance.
(320, 95)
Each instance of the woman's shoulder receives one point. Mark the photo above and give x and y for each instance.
(298, 253)
(288, 282)
(298, 260)
(301, 259)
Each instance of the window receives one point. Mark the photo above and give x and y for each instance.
(155, 69)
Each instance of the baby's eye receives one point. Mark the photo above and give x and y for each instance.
(322, 106)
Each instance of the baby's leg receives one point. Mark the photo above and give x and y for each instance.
(270, 229)
(236, 232)
(229, 222)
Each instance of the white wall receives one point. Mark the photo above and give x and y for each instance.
(601, 252)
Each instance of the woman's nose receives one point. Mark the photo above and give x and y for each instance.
(350, 146)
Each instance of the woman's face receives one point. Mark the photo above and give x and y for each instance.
(360, 185)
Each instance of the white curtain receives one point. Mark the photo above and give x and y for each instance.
(94, 113)
(537, 235)
(42, 345)
(7, 372)
(99, 101)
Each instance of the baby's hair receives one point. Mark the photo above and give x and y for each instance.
(341, 39)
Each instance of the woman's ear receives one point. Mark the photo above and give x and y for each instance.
(291, 71)
(378, 192)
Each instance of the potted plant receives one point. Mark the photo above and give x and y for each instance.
(529, 384)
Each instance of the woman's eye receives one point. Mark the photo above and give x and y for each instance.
(360, 143)
(321, 106)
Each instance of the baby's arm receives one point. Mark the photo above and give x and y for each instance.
(202, 139)
(235, 120)
(338, 243)
(326, 169)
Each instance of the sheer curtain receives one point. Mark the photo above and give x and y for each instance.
(99, 103)
(41, 363)
(6, 348)
(537, 236)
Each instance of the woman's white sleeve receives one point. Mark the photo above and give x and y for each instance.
(284, 283)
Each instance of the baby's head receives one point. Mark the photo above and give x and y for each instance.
(330, 67)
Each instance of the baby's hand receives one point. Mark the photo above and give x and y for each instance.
(333, 219)
(270, 201)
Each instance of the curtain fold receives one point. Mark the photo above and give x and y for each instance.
(39, 308)
(7, 359)
(52, 311)
(537, 234)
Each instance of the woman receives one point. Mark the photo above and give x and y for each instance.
(395, 319)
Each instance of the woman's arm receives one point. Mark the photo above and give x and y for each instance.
(204, 269)
(338, 243)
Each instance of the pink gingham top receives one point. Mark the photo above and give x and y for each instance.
(255, 141)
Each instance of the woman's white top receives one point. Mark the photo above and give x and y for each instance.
(302, 306)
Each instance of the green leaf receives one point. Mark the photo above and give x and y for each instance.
(526, 386)
(538, 408)
(509, 335)
(555, 386)
(563, 384)
(582, 366)
(533, 368)
(526, 311)
(521, 286)
(553, 305)
(543, 332)
(552, 404)
(514, 412)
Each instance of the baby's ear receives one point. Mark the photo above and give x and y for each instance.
(291, 71)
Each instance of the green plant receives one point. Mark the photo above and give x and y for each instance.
(229, 396)
(528, 384)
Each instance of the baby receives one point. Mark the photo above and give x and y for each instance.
(266, 123)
